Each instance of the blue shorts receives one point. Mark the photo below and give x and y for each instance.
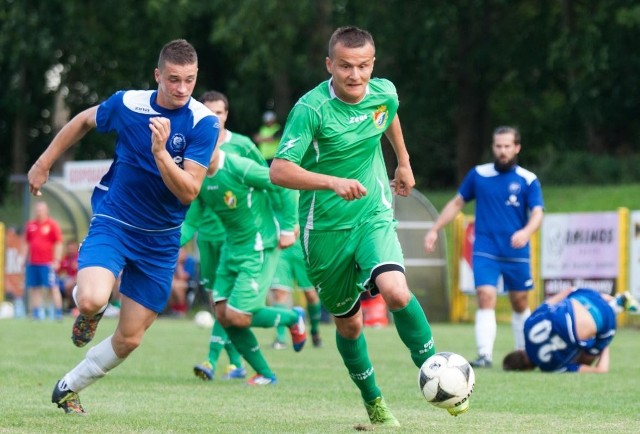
(40, 275)
(147, 260)
(603, 315)
(515, 274)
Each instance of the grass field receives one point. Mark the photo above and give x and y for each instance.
(155, 391)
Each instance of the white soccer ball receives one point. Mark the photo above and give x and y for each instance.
(203, 319)
(446, 380)
(7, 310)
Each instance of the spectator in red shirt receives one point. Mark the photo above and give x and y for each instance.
(67, 272)
(44, 243)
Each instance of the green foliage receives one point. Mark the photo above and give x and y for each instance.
(155, 391)
(567, 73)
(583, 168)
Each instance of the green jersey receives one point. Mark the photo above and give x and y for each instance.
(326, 135)
(203, 220)
(243, 197)
(243, 146)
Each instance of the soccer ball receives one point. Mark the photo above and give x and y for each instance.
(446, 380)
(204, 319)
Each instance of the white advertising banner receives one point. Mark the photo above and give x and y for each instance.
(580, 249)
(84, 175)
(634, 253)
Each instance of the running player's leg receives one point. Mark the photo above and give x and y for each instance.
(145, 291)
(381, 262)
(333, 271)
(210, 258)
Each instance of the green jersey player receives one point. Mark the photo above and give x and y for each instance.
(238, 190)
(330, 151)
(211, 236)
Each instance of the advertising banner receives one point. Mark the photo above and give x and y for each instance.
(580, 249)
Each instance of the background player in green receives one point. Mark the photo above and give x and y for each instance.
(238, 190)
(291, 272)
(330, 151)
(211, 236)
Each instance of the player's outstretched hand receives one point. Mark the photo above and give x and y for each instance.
(37, 177)
(160, 129)
(430, 241)
(349, 189)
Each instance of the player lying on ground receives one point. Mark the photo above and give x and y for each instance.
(570, 332)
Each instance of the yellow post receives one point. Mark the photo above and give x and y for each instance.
(535, 297)
(458, 299)
(622, 282)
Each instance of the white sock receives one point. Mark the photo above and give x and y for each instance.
(74, 293)
(517, 325)
(617, 304)
(99, 360)
(485, 329)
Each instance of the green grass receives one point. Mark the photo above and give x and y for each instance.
(155, 391)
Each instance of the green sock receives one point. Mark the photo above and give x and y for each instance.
(415, 331)
(273, 317)
(356, 358)
(216, 343)
(247, 344)
(314, 316)
(281, 331)
(234, 356)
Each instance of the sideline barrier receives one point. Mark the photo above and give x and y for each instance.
(570, 249)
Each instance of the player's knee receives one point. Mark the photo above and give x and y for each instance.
(125, 345)
(350, 328)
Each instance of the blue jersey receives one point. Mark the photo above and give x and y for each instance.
(551, 338)
(137, 196)
(503, 203)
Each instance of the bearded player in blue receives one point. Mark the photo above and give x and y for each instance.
(164, 143)
(509, 209)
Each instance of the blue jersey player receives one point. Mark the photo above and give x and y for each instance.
(509, 209)
(570, 332)
(164, 143)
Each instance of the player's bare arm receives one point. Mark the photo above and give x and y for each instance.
(288, 174)
(520, 238)
(70, 134)
(449, 212)
(403, 181)
(601, 366)
(184, 184)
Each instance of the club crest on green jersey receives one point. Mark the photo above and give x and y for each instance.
(230, 199)
(380, 116)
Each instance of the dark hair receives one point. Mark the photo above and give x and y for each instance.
(212, 96)
(178, 52)
(517, 361)
(509, 130)
(350, 37)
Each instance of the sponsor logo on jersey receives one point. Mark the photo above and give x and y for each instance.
(357, 119)
(380, 116)
(230, 199)
(289, 144)
(514, 189)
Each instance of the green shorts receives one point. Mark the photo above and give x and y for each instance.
(292, 270)
(244, 277)
(341, 263)
(209, 260)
